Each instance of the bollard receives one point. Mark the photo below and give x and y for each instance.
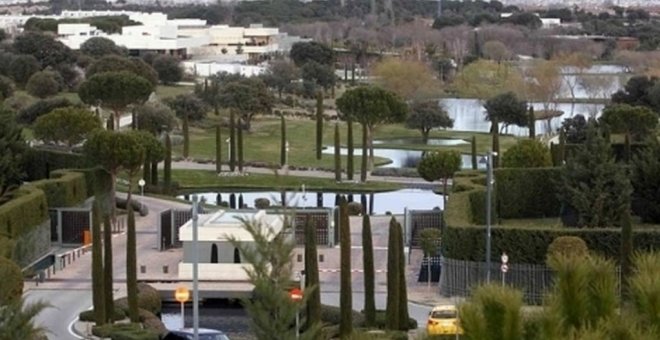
(165, 269)
(143, 269)
(68, 258)
(74, 256)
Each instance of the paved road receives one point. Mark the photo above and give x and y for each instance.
(66, 306)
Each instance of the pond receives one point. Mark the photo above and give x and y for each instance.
(402, 158)
(419, 141)
(377, 203)
(231, 319)
(469, 115)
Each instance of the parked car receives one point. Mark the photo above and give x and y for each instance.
(188, 333)
(443, 320)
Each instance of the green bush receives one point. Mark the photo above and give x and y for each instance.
(527, 153)
(151, 322)
(40, 108)
(568, 245)
(40, 162)
(88, 315)
(381, 321)
(530, 244)
(262, 203)
(527, 193)
(64, 188)
(354, 208)
(332, 315)
(149, 298)
(11, 282)
(27, 210)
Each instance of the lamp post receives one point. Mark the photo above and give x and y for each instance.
(489, 194)
(195, 268)
(141, 183)
(182, 295)
(228, 140)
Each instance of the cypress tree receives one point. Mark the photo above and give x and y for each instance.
(167, 166)
(363, 170)
(312, 276)
(282, 140)
(474, 153)
(350, 169)
(403, 290)
(319, 124)
(392, 306)
(134, 122)
(239, 144)
(154, 173)
(532, 123)
(627, 153)
(496, 144)
(146, 171)
(107, 268)
(369, 274)
(97, 266)
(346, 294)
(110, 124)
(337, 155)
(353, 73)
(232, 141)
(131, 266)
(186, 137)
(562, 148)
(218, 149)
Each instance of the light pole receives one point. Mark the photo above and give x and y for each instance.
(141, 183)
(182, 295)
(228, 149)
(296, 295)
(195, 269)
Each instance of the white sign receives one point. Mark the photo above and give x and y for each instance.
(505, 258)
(504, 268)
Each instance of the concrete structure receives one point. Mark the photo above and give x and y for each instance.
(219, 261)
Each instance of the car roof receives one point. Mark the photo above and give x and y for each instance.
(445, 307)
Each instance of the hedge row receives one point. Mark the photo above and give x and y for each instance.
(27, 210)
(64, 188)
(618, 151)
(527, 193)
(40, 162)
(530, 244)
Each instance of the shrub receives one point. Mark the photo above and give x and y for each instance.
(152, 322)
(149, 298)
(18, 102)
(568, 245)
(6, 87)
(27, 210)
(354, 208)
(64, 189)
(396, 172)
(39, 163)
(44, 84)
(124, 331)
(88, 315)
(381, 321)
(527, 153)
(332, 315)
(168, 68)
(261, 203)
(40, 108)
(526, 193)
(11, 284)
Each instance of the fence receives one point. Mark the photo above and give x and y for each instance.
(417, 220)
(168, 227)
(457, 278)
(321, 219)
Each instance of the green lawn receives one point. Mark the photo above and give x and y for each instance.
(195, 180)
(262, 143)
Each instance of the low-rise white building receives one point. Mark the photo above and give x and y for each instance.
(218, 259)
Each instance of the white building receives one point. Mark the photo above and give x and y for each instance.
(218, 259)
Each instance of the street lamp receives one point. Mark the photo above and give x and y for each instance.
(489, 192)
(141, 183)
(228, 149)
(286, 154)
(182, 295)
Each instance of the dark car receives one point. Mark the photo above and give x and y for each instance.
(204, 334)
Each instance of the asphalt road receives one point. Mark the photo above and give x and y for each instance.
(66, 306)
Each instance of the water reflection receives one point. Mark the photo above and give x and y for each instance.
(419, 141)
(401, 158)
(469, 115)
(376, 203)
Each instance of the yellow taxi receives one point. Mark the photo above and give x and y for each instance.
(443, 320)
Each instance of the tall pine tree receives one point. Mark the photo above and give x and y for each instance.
(131, 266)
(282, 140)
(403, 290)
(319, 124)
(107, 269)
(350, 169)
(167, 165)
(232, 141)
(97, 266)
(337, 155)
(239, 144)
(393, 277)
(218, 149)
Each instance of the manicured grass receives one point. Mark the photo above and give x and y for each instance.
(168, 91)
(201, 179)
(262, 143)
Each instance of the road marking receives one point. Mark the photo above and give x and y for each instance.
(352, 271)
(71, 331)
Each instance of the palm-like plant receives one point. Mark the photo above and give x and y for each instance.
(645, 290)
(17, 320)
(493, 312)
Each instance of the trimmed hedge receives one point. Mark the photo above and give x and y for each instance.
(530, 245)
(464, 235)
(88, 315)
(527, 193)
(11, 282)
(64, 188)
(618, 151)
(40, 162)
(124, 331)
(27, 210)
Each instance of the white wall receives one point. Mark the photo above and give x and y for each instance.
(206, 69)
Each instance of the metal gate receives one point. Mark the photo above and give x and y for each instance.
(68, 225)
(321, 219)
(418, 220)
(168, 227)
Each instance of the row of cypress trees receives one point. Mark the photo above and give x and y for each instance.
(396, 313)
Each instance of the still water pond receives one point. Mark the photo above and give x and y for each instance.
(402, 158)
(377, 203)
